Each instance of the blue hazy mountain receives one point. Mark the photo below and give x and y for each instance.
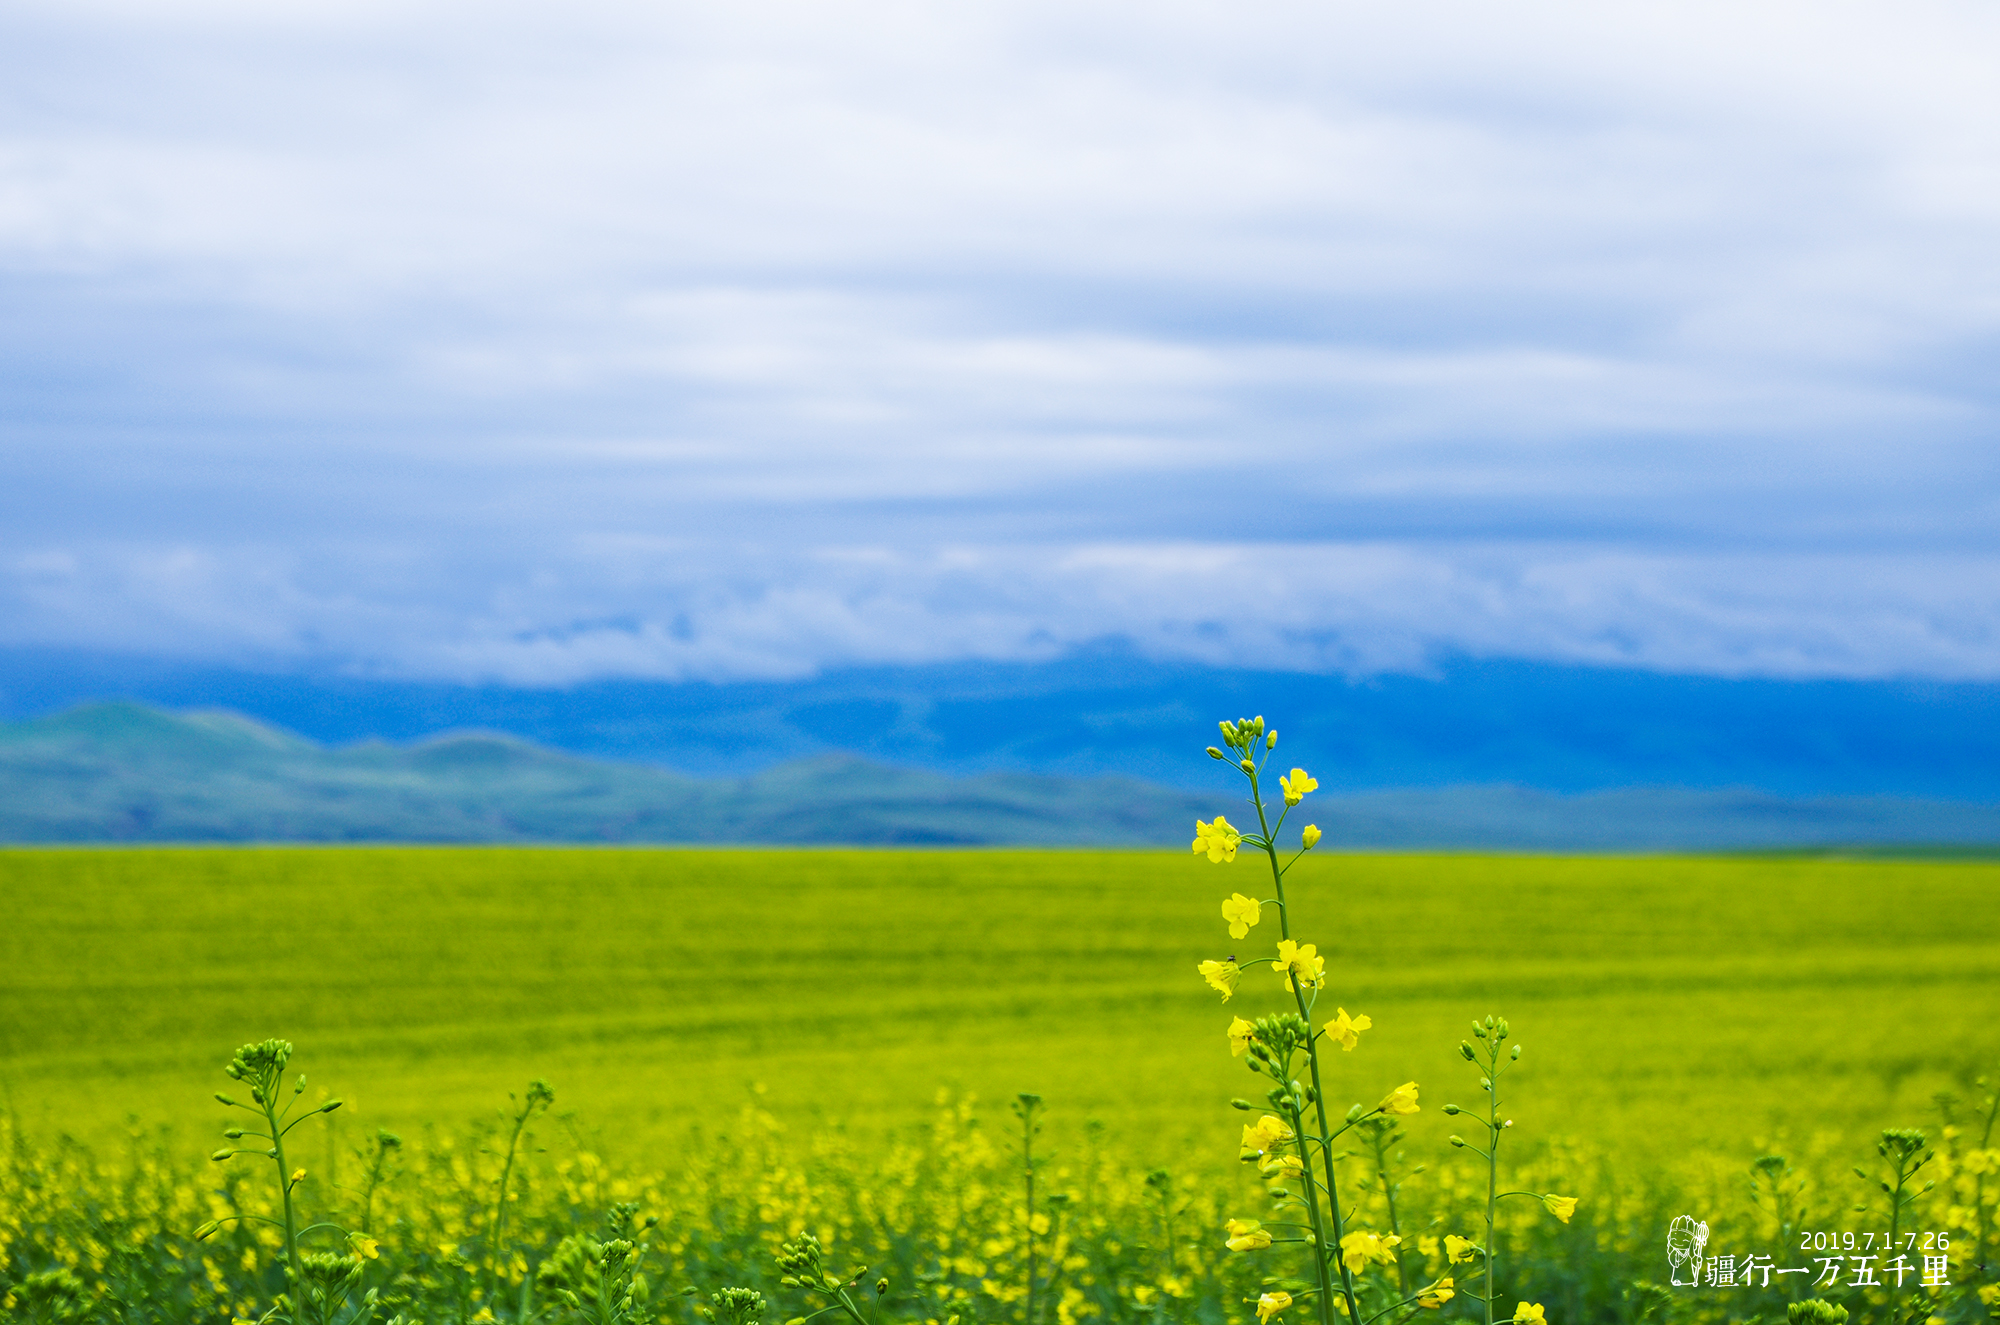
(123, 772)
(1543, 726)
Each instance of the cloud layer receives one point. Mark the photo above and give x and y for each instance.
(667, 340)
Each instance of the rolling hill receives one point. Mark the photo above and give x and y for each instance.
(124, 772)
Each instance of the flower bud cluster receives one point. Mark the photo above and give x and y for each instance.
(804, 1266)
(736, 1306)
(260, 1067)
(1243, 733)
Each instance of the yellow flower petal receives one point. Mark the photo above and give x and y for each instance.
(1241, 912)
(1222, 976)
(1217, 840)
(1240, 1034)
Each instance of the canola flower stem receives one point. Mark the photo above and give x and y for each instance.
(1389, 1199)
(1319, 1093)
(499, 1226)
(848, 1306)
(294, 1280)
(1492, 1167)
(216, 1225)
(1325, 1294)
(1393, 1306)
(1979, 1184)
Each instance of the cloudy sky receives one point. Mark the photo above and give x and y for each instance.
(535, 343)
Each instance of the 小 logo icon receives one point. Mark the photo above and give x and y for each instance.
(1685, 1240)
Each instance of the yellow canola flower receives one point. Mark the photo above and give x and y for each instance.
(1247, 1235)
(364, 1245)
(1436, 1295)
(1297, 785)
(1241, 912)
(1529, 1311)
(1562, 1207)
(298, 1176)
(1281, 1166)
(1360, 1250)
(1458, 1249)
(1310, 836)
(1400, 1102)
(1218, 840)
(1347, 1030)
(1240, 1033)
(1266, 1134)
(1221, 975)
(1270, 1304)
(1300, 962)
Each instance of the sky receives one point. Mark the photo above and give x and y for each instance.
(536, 344)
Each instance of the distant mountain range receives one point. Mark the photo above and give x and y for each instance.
(1474, 721)
(124, 772)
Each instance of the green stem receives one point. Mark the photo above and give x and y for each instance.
(500, 1204)
(1979, 1185)
(1389, 1198)
(1492, 1166)
(1028, 1177)
(1323, 1300)
(292, 1276)
(1319, 1093)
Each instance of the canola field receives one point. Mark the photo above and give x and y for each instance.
(748, 1045)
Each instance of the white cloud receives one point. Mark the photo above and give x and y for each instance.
(661, 608)
(1655, 334)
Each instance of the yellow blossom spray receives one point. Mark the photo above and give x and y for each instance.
(1293, 1144)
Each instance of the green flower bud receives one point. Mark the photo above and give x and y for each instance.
(1452, 1109)
(1247, 765)
(1465, 1051)
(1214, 753)
(1271, 741)
(1244, 1105)
(221, 1155)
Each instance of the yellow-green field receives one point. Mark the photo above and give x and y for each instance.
(747, 1045)
(1664, 1002)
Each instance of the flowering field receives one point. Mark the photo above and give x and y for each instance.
(747, 1046)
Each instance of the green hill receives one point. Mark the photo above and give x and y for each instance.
(126, 772)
